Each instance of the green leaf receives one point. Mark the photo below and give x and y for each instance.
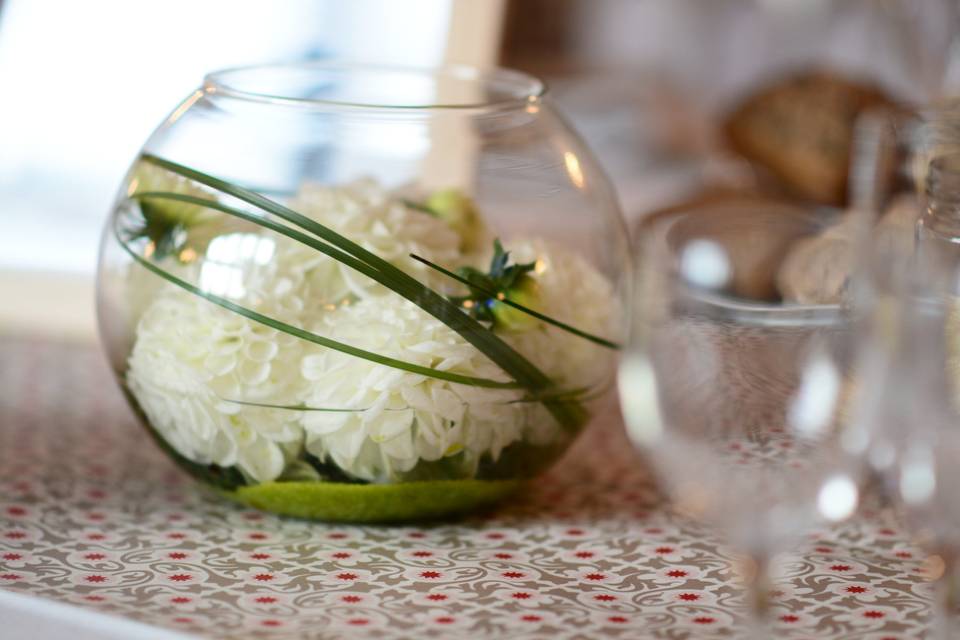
(488, 290)
(499, 261)
(488, 343)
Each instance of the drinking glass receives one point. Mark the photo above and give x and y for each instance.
(914, 424)
(742, 403)
(911, 434)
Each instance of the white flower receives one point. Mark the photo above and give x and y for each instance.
(191, 358)
(402, 417)
(572, 291)
(371, 217)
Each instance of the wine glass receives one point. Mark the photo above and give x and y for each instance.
(740, 399)
(914, 425)
(911, 413)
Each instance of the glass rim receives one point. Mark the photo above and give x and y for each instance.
(728, 305)
(771, 314)
(523, 88)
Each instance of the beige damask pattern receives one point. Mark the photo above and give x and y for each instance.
(92, 514)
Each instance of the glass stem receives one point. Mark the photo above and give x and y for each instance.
(758, 593)
(947, 603)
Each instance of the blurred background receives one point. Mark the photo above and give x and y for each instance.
(660, 89)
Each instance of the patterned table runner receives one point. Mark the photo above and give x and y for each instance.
(92, 514)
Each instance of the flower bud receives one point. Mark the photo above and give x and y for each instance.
(458, 211)
(525, 293)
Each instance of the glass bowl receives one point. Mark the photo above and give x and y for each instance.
(737, 352)
(365, 294)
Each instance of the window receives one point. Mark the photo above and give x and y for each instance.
(84, 83)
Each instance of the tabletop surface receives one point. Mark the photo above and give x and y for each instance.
(93, 515)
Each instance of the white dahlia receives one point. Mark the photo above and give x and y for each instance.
(379, 222)
(401, 418)
(191, 358)
(571, 290)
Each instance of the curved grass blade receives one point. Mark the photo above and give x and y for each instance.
(390, 276)
(312, 337)
(491, 345)
(332, 252)
(422, 208)
(311, 242)
(261, 221)
(291, 407)
(565, 396)
(603, 342)
(579, 394)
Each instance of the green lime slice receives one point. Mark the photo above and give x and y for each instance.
(372, 503)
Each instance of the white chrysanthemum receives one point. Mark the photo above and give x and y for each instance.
(403, 417)
(373, 218)
(191, 358)
(572, 291)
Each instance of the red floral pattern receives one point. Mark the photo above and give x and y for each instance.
(91, 513)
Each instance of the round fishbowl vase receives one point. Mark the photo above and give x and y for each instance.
(364, 294)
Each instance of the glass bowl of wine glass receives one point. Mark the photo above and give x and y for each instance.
(739, 396)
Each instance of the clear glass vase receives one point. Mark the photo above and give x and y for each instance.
(364, 294)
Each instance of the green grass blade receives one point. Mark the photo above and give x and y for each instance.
(312, 337)
(578, 395)
(327, 249)
(391, 276)
(491, 345)
(261, 221)
(291, 407)
(507, 301)
(422, 208)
